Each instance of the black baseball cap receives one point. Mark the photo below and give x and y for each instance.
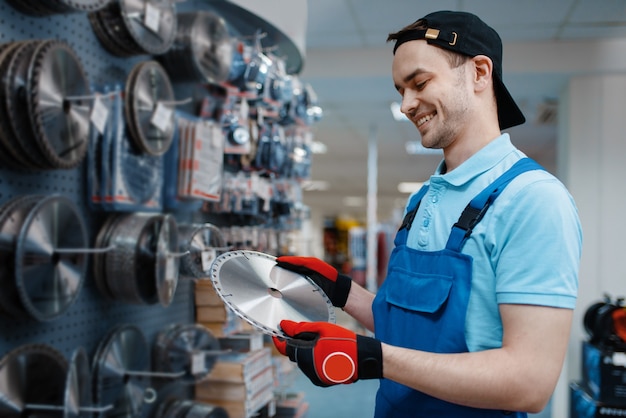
(466, 34)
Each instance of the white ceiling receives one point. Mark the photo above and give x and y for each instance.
(348, 64)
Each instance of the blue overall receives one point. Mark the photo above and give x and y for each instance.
(423, 302)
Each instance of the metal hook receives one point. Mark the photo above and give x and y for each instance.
(91, 96)
(156, 374)
(38, 407)
(177, 255)
(84, 250)
(212, 353)
(176, 102)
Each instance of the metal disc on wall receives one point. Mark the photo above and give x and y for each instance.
(122, 352)
(167, 260)
(151, 23)
(32, 374)
(78, 388)
(48, 273)
(263, 294)
(202, 50)
(148, 93)
(204, 242)
(51, 7)
(186, 348)
(58, 104)
(12, 216)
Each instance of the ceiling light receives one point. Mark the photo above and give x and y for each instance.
(318, 147)
(315, 185)
(397, 113)
(354, 201)
(409, 186)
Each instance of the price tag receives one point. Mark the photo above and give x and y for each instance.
(208, 255)
(162, 117)
(152, 18)
(197, 363)
(99, 114)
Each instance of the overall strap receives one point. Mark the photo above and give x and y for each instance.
(476, 209)
(414, 204)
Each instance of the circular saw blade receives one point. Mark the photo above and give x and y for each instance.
(263, 294)
(58, 108)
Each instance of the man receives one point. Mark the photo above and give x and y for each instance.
(474, 316)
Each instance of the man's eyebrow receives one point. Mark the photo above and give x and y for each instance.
(411, 75)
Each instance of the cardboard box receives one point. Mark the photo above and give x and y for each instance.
(582, 405)
(604, 374)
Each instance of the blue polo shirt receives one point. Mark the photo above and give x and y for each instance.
(526, 250)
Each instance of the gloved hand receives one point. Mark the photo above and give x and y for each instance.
(335, 285)
(329, 354)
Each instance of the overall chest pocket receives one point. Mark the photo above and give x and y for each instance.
(420, 292)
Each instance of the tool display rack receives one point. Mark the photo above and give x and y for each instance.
(91, 316)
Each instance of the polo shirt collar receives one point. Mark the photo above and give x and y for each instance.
(485, 159)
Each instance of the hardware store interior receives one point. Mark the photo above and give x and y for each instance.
(151, 148)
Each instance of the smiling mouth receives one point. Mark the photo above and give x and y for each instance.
(425, 119)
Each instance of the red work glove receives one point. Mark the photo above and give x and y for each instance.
(329, 354)
(335, 285)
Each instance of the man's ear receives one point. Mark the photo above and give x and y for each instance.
(483, 69)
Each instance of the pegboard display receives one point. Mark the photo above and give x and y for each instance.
(91, 315)
(256, 115)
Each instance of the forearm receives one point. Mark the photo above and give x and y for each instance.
(520, 376)
(489, 379)
(359, 306)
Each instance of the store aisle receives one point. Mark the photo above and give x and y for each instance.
(355, 400)
(341, 401)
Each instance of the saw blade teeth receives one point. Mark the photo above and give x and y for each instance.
(18, 91)
(60, 119)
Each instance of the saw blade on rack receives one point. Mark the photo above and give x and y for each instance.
(16, 95)
(202, 50)
(148, 93)
(31, 374)
(50, 266)
(121, 353)
(151, 23)
(189, 348)
(59, 106)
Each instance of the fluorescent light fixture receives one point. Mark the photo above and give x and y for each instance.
(318, 147)
(397, 113)
(409, 186)
(354, 201)
(416, 148)
(315, 185)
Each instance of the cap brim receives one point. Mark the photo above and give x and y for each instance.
(509, 114)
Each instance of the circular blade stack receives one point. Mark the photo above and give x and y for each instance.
(185, 348)
(203, 242)
(38, 277)
(135, 27)
(149, 97)
(44, 111)
(202, 50)
(51, 7)
(140, 268)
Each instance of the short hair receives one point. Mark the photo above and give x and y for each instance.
(454, 59)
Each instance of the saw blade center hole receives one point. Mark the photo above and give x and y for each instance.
(274, 292)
